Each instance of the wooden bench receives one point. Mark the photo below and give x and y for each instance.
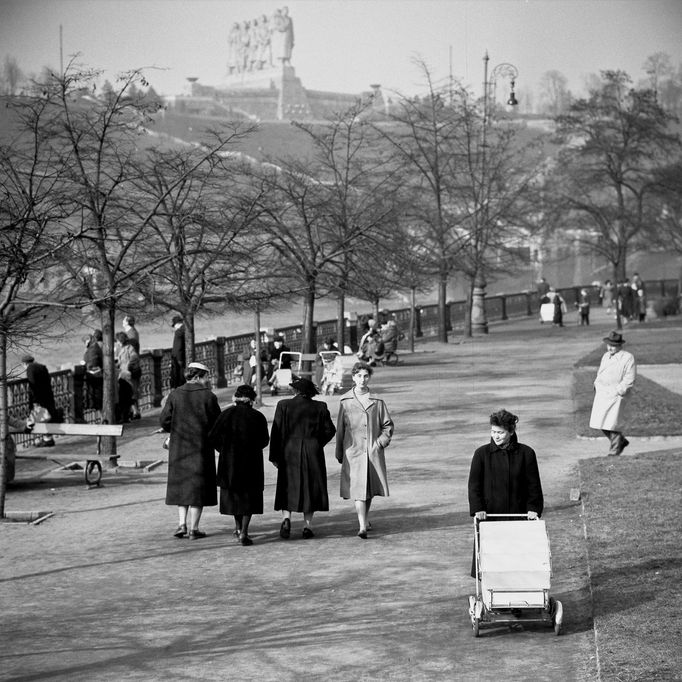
(93, 464)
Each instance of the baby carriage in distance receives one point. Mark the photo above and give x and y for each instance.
(289, 363)
(546, 310)
(513, 570)
(332, 371)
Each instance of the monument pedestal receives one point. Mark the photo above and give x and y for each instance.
(479, 320)
(293, 99)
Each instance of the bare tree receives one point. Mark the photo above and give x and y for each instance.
(358, 187)
(11, 75)
(554, 94)
(613, 142)
(32, 287)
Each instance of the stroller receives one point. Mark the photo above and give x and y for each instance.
(332, 371)
(289, 363)
(513, 570)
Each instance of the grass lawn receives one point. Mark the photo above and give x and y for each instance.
(633, 519)
(652, 409)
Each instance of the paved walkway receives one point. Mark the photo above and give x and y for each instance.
(102, 591)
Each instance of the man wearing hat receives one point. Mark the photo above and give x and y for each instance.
(615, 378)
(177, 374)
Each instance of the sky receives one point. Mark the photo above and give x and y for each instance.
(346, 45)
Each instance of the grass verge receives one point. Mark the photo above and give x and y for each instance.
(633, 516)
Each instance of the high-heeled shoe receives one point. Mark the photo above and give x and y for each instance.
(308, 533)
(196, 534)
(362, 534)
(181, 531)
(285, 529)
(245, 540)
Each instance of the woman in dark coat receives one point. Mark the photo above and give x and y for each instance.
(301, 428)
(189, 414)
(504, 476)
(239, 435)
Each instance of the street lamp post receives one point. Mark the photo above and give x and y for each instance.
(479, 320)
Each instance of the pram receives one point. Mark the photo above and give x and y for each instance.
(332, 371)
(513, 570)
(282, 376)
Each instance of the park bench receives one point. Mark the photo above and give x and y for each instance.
(93, 463)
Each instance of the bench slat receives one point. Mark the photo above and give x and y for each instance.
(47, 428)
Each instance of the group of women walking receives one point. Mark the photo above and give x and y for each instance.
(301, 428)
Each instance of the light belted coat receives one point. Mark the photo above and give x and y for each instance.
(361, 436)
(615, 377)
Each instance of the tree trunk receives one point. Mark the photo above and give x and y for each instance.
(108, 317)
(413, 315)
(341, 321)
(3, 421)
(190, 351)
(307, 340)
(468, 333)
(442, 309)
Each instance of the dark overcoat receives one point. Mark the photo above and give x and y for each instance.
(40, 387)
(189, 414)
(239, 435)
(505, 480)
(300, 430)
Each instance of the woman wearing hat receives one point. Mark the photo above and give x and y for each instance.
(365, 428)
(189, 415)
(615, 378)
(239, 435)
(300, 430)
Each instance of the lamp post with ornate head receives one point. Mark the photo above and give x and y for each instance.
(479, 320)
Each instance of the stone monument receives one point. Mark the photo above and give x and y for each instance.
(261, 82)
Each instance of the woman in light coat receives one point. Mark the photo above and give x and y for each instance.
(363, 429)
(615, 378)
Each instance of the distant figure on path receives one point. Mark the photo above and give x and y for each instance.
(40, 397)
(615, 378)
(131, 332)
(239, 435)
(177, 353)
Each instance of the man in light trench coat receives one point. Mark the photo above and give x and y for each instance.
(614, 381)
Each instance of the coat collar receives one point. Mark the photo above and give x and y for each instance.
(351, 396)
(512, 447)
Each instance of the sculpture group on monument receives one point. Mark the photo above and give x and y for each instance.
(260, 43)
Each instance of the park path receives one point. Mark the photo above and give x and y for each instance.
(101, 591)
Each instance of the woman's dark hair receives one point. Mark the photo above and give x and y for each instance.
(362, 365)
(245, 393)
(304, 387)
(122, 337)
(505, 420)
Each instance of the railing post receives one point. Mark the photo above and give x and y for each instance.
(77, 393)
(529, 309)
(503, 301)
(157, 377)
(221, 379)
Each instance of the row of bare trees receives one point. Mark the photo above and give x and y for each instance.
(99, 214)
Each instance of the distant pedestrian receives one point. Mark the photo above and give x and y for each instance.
(364, 429)
(129, 374)
(300, 430)
(614, 381)
(559, 307)
(40, 397)
(131, 332)
(94, 377)
(239, 435)
(607, 296)
(583, 306)
(189, 414)
(177, 353)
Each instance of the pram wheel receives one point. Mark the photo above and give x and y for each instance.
(557, 615)
(475, 607)
(391, 358)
